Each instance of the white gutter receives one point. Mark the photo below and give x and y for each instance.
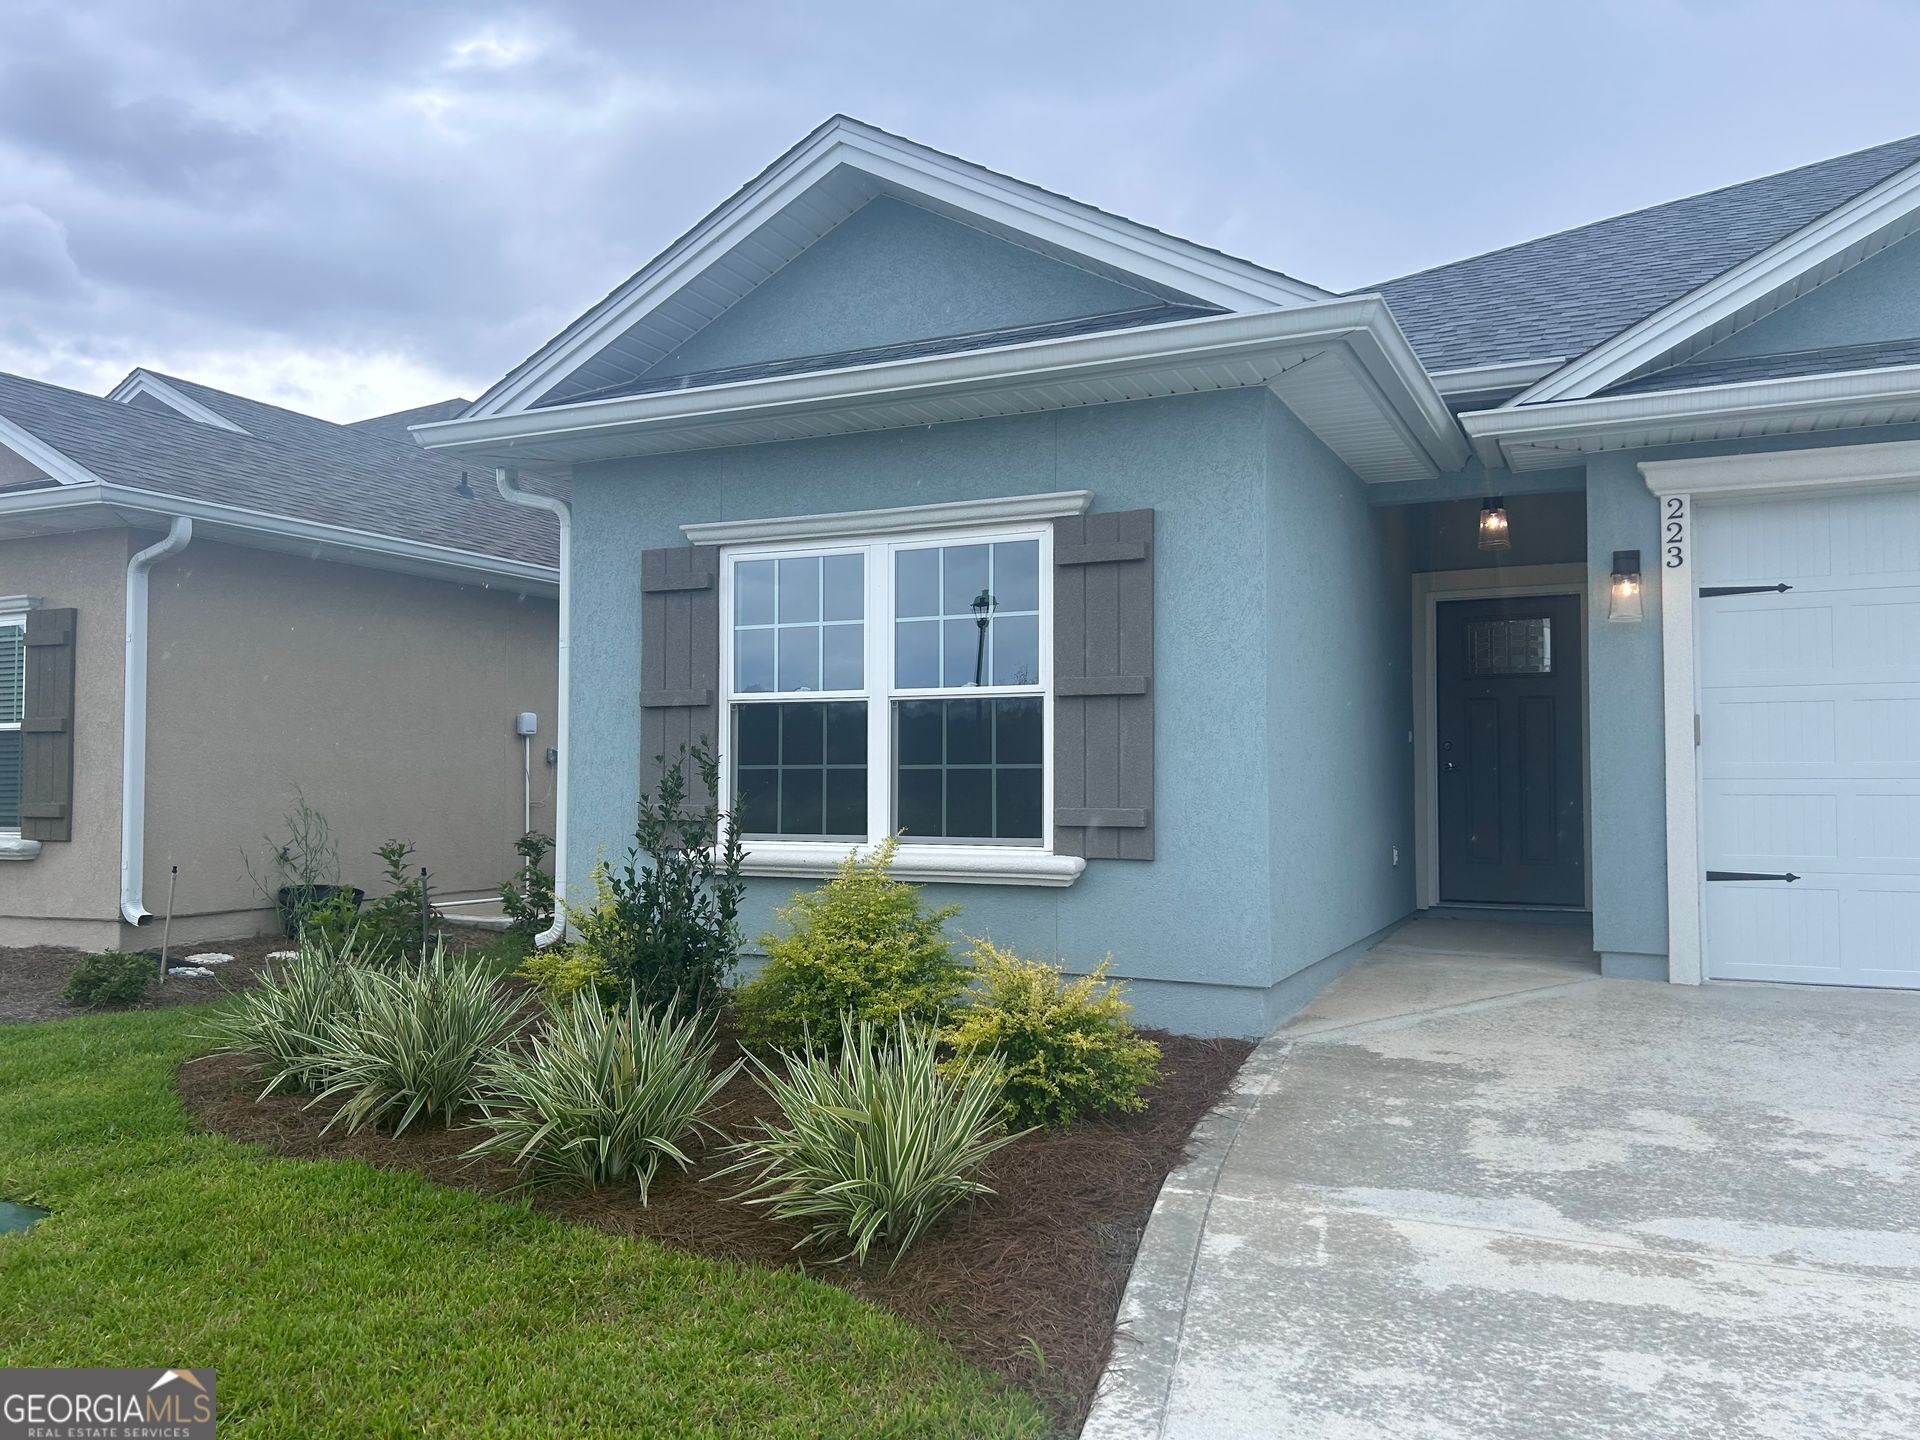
(1564, 428)
(294, 535)
(715, 413)
(504, 481)
(133, 723)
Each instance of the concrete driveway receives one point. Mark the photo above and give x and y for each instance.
(1476, 1192)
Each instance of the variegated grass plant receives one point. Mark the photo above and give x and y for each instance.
(288, 1017)
(877, 1143)
(601, 1096)
(415, 1043)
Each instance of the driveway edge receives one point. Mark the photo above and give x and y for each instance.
(1131, 1403)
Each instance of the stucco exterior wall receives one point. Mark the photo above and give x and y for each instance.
(892, 272)
(1879, 299)
(1339, 712)
(1194, 927)
(71, 891)
(388, 700)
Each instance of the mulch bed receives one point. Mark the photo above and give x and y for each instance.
(1025, 1282)
(32, 977)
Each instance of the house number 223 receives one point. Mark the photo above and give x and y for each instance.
(1675, 528)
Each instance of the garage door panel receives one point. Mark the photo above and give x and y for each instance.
(1810, 738)
(1777, 932)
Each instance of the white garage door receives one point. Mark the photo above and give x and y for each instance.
(1810, 737)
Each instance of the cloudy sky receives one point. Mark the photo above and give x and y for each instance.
(353, 207)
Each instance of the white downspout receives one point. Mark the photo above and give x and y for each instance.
(504, 480)
(133, 724)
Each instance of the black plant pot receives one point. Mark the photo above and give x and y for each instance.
(294, 901)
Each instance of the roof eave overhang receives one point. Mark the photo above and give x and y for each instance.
(1538, 437)
(990, 198)
(1343, 366)
(94, 505)
(1756, 287)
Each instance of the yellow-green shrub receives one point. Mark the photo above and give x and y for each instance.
(565, 971)
(862, 945)
(1066, 1045)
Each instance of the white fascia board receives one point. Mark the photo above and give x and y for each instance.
(1236, 285)
(1747, 283)
(1615, 422)
(1814, 467)
(31, 448)
(141, 382)
(259, 530)
(1362, 323)
(1494, 381)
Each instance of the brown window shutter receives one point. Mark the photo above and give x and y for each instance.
(1103, 685)
(46, 728)
(679, 657)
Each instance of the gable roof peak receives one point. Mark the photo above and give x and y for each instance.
(835, 170)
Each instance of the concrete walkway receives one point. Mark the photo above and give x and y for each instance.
(1475, 1192)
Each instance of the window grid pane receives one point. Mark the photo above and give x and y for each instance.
(799, 624)
(969, 769)
(800, 770)
(13, 674)
(967, 615)
(13, 657)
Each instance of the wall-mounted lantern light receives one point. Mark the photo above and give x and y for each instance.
(1623, 599)
(1493, 524)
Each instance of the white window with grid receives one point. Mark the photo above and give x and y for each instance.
(13, 692)
(894, 685)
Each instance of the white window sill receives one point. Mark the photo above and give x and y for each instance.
(12, 847)
(922, 864)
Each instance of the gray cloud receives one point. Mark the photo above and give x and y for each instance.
(364, 205)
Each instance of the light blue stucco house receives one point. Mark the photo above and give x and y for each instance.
(1179, 610)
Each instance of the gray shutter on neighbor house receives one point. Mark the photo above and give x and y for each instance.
(679, 657)
(46, 728)
(1103, 685)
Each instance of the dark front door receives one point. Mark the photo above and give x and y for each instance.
(1507, 681)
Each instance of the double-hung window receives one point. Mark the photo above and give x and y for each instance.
(13, 692)
(896, 685)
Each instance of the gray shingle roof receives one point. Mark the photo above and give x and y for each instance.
(1566, 293)
(288, 464)
(394, 426)
(1874, 355)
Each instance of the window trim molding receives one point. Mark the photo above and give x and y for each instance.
(13, 615)
(868, 525)
(956, 862)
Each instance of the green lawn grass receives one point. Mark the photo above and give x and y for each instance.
(341, 1300)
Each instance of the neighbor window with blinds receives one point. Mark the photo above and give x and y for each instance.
(13, 692)
(896, 685)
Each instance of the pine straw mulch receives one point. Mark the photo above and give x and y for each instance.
(1025, 1282)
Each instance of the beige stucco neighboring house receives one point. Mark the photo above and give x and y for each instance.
(211, 606)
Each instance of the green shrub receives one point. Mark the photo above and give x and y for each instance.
(415, 1041)
(878, 1143)
(288, 1018)
(663, 923)
(602, 1096)
(566, 971)
(330, 923)
(110, 978)
(862, 944)
(1066, 1045)
(398, 925)
(527, 899)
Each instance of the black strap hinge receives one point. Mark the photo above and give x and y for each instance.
(1707, 592)
(1713, 875)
